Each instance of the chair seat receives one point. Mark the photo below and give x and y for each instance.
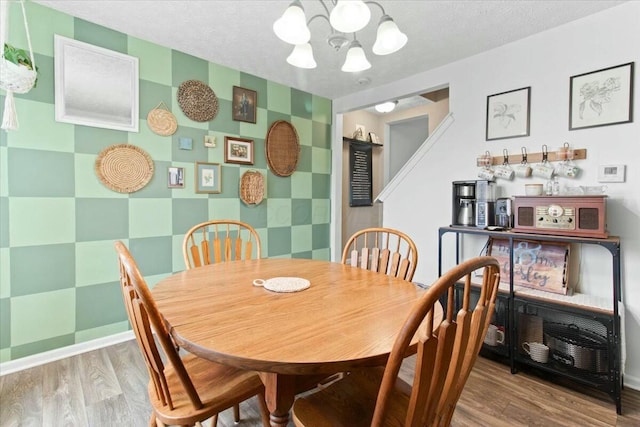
(350, 402)
(219, 386)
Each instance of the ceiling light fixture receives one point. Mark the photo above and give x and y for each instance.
(347, 16)
(386, 107)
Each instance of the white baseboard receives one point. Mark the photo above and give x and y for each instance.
(60, 353)
(632, 382)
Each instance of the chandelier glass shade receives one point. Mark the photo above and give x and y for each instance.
(302, 56)
(356, 59)
(389, 39)
(292, 25)
(347, 16)
(350, 16)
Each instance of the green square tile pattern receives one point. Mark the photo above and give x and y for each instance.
(58, 274)
(44, 268)
(53, 171)
(101, 219)
(41, 220)
(99, 305)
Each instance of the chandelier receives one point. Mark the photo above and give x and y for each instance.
(346, 17)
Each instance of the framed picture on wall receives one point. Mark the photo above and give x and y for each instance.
(244, 104)
(208, 178)
(600, 98)
(175, 177)
(95, 86)
(508, 114)
(238, 150)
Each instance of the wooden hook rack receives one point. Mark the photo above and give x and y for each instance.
(552, 156)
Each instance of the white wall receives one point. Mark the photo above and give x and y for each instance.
(545, 62)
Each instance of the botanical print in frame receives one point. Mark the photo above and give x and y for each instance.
(508, 114)
(536, 264)
(175, 177)
(601, 98)
(244, 104)
(238, 150)
(208, 178)
(95, 86)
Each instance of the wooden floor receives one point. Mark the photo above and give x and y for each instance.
(107, 387)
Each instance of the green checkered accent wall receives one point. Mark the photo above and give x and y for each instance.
(58, 271)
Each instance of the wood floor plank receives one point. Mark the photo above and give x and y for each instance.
(114, 411)
(132, 376)
(99, 380)
(21, 398)
(62, 397)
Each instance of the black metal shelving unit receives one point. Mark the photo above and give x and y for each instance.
(606, 322)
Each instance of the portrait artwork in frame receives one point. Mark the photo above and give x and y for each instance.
(508, 114)
(238, 150)
(95, 86)
(175, 177)
(208, 178)
(601, 98)
(244, 104)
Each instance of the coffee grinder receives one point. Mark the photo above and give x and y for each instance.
(485, 203)
(464, 195)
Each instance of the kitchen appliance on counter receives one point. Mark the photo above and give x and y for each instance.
(504, 212)
(464, 197)
(485, 203)
(579, 216)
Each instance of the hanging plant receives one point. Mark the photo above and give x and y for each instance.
(19, 57)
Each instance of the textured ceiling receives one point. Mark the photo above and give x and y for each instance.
(238, 33)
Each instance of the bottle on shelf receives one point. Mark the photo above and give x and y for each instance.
(555, 186)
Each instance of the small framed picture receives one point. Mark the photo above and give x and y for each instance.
(601, 98)
(175, 177)
(208, 178)
(508, 114)
(238, 150)
(210, 141)
(185, 143)
(244, 104)
(373, 138)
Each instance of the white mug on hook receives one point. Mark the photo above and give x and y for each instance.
(523, 170)
(543, 170)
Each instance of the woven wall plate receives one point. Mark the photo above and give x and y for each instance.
(282, 148)
(197, 101)
(162, 121)
(124, 168)
(252, 187)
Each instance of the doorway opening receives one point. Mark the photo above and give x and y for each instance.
(400, 133)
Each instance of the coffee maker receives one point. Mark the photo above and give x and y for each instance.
(464, 195)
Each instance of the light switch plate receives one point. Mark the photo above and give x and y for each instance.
(611, 173)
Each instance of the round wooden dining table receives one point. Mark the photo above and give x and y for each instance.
(347, 317)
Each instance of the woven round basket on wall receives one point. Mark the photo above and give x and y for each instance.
(124, 168)
(197, 101)
(252, 187)
(282, 148)
(162, 121)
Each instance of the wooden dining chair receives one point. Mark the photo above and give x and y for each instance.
(217, 241)
(183, 389)
(384, 250)
(446, 353)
